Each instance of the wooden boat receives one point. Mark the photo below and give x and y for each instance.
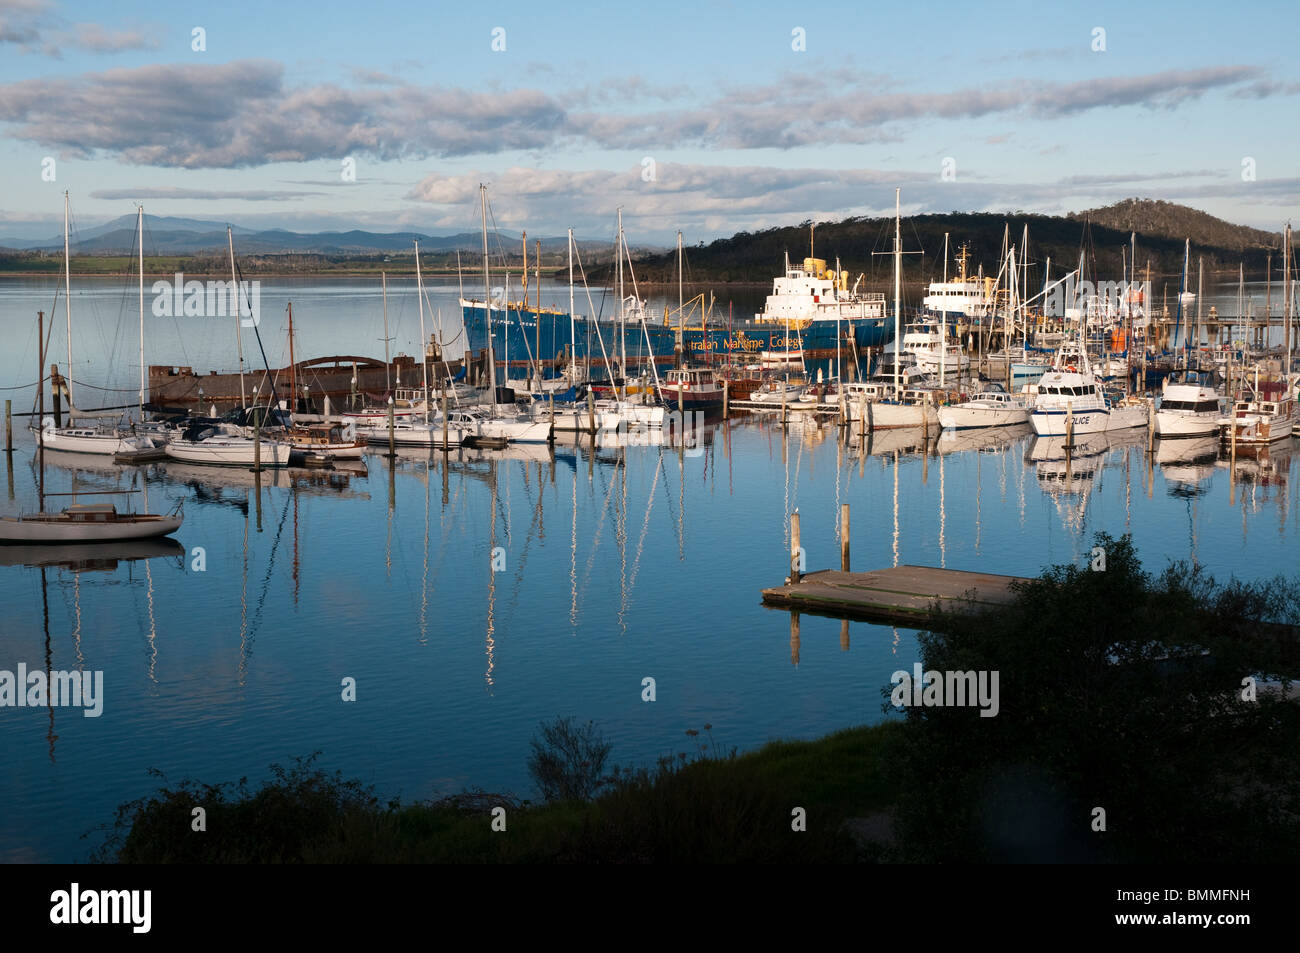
(87, 523)
(330, 440)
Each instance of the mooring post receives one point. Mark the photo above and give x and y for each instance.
(844, 410)
(1069, 428)
(591, 411)
(784, 414)
(796, 560)
(844, 537)
(57, 394)
(726, 399)
(1151, 425)
(794, 638)
(862, 420)
(392, 436)
(257, 445)
(9, 426)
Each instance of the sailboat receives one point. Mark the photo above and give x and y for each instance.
(94, 439)
(80, 522)
(499, 427)
(905, 407)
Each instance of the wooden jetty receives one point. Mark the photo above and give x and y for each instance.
(905, 595)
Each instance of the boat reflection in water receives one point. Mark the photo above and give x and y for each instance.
(1187, 463)
(90, 557)
(984, 439)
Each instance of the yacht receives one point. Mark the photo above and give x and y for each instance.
(1190, 407)
(989, 408)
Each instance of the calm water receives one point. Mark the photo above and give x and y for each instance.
(619, 564)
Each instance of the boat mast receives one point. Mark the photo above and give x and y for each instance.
(573, 325)
(622, 329)
(67, 305)
(388, 370)
(424, 356)
(1286, 295)
(293, 368)
(898, 285)
(140, 239)
(487, 305)
(40, 398)
(679, 271)
(537, 312)
(234, 291)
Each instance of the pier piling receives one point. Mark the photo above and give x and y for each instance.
(796, 562)
(9, 426)
(844, 537)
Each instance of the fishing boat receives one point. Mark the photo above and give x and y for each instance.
(990, 408)
(1262, 415)
(1190, 407)
(694, 388)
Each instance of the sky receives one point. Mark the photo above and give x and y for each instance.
(706, 117)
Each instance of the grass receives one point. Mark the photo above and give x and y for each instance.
(711, 808)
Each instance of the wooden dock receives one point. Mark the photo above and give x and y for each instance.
(904, 595)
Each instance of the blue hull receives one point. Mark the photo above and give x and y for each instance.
(716, 344)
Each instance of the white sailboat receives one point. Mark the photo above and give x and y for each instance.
(95, 439)
(498, 427)
(80, 522)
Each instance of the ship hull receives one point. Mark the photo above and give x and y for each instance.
(743, 342)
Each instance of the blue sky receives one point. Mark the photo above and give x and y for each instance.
(702, 116)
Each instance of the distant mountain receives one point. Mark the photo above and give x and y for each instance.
(185, 236)
(1169, 220)
(864, 246)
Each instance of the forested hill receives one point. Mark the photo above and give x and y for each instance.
(1170, 220)
(859, 242)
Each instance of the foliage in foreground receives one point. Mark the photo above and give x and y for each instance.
(1118, 691)
(713, 807)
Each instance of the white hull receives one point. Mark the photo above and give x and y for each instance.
(517, 430)
(1174, 423)
(1054, 424)
(79, 440)
(964, 418)
(882, 415)
(418, 435)
(229, 451)
(58, 528)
